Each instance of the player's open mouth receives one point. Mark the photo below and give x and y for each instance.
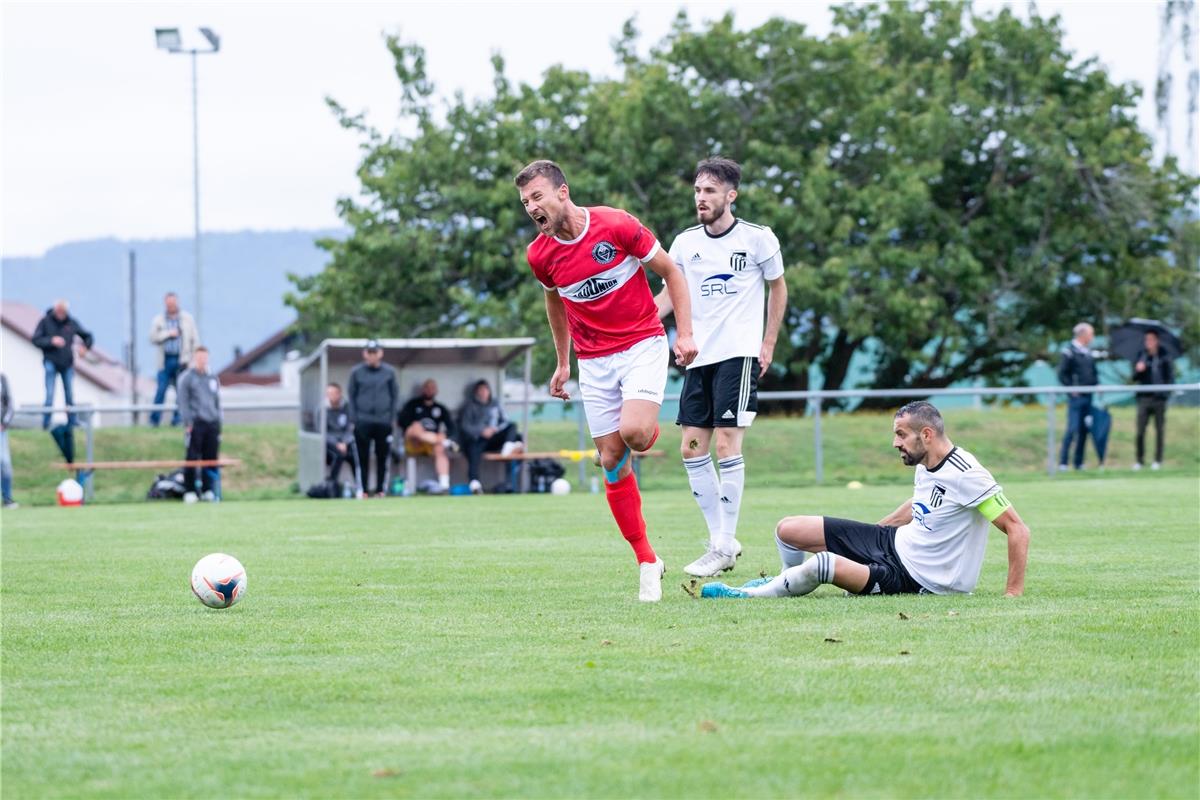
(540, 220)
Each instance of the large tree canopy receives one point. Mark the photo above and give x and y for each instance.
(952, 192)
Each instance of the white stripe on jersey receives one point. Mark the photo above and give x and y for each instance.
(602, 283)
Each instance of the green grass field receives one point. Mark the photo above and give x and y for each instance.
(494, 646)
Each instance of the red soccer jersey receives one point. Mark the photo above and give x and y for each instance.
(600, 279)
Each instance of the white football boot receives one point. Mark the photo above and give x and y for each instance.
(711, 564)
(650, 581)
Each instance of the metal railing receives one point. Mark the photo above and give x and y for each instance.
(814, 399)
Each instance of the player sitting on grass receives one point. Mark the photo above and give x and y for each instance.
(937, 547)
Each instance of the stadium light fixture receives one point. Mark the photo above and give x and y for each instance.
(171, 40)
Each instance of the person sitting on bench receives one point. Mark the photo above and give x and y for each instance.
(429, 431)
(485, 428)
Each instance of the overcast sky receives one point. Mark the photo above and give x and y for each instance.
(96, 126)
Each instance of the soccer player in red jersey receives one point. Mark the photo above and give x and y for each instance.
(589, 260)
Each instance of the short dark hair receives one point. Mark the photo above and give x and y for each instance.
(201, 349)
(726, 170)
(333, 385)
(924, 414)
(542, 168)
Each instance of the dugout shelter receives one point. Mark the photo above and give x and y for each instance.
(456, 364)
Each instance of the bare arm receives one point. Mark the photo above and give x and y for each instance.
(901, 516)
(662, 301)
(676, 287)
(776, 306)
(1018, 550)
(556, 313)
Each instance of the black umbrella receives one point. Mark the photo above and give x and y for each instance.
(1127, 340)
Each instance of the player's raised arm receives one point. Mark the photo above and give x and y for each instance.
(1017, 531)
(677, 292)
(557, 316)
(901, 516)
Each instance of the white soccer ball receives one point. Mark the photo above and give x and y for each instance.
(218, 580)
(70, 493)
(560, 486)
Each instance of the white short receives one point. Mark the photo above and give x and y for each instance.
(639, 373)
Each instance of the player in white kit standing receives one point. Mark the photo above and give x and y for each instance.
(589, 261)
(726, 261)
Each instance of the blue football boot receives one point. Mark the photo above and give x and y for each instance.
(720, 590)
(756, 582)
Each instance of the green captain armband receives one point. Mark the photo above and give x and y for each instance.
(994, 506)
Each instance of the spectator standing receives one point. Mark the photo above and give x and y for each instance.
(174, 333)
(373, 394)
(1077, 368)
(55, 336)
(1152, 367)
(200, 407)
(7, 412)
(485, 428)
(340, 447)
(429, 431)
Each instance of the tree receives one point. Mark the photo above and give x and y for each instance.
(952, 191)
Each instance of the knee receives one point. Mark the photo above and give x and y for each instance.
(637, 437)
(690, 448)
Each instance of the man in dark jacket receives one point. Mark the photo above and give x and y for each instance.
(1076, 368)
(200, 409)
(373, 394)
(1152, 367)
(55, 336)
(429, 431)
(340, 447)
(484, 428)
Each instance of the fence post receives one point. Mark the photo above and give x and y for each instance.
(1051, 413)
(818, 448)
(89, 475)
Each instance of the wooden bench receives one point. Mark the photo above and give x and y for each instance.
(87, 468)
(566, 455)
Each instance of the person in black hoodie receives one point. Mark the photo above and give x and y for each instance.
(1153, 367)
(55, 335)
(374, 395)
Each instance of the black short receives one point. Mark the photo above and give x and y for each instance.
(875, 547)
(721, 395)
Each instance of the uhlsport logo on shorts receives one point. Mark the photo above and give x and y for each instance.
(604, 253)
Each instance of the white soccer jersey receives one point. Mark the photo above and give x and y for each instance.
(725, 277)
(943, 546)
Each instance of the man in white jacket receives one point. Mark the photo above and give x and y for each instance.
(174, 332)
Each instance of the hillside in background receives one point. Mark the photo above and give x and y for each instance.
(245, 277)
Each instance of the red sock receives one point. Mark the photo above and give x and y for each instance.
(626, 503)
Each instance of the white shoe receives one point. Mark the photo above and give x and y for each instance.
(1137, 467)
(208, 497)
(711, 564)
(476, 487)
(191, 497)
(1156, 466)
(737, 549)
(508, 448)
(650, 581)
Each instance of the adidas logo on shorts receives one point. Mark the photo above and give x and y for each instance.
(727, 415)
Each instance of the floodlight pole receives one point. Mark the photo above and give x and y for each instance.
(196, 199)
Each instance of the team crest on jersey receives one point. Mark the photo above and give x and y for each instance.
(935, 497)
(737, 260)
(593, 288)
(604, 253)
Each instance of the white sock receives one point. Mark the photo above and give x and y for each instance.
(789, 556)
(795, 581)
(733, 480)
(702, 477)
(444, 481)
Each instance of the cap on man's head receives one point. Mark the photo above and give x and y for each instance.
(372, 344)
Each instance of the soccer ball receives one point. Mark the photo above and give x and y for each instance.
(70, 493)
(560, 486)
(218, 580)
